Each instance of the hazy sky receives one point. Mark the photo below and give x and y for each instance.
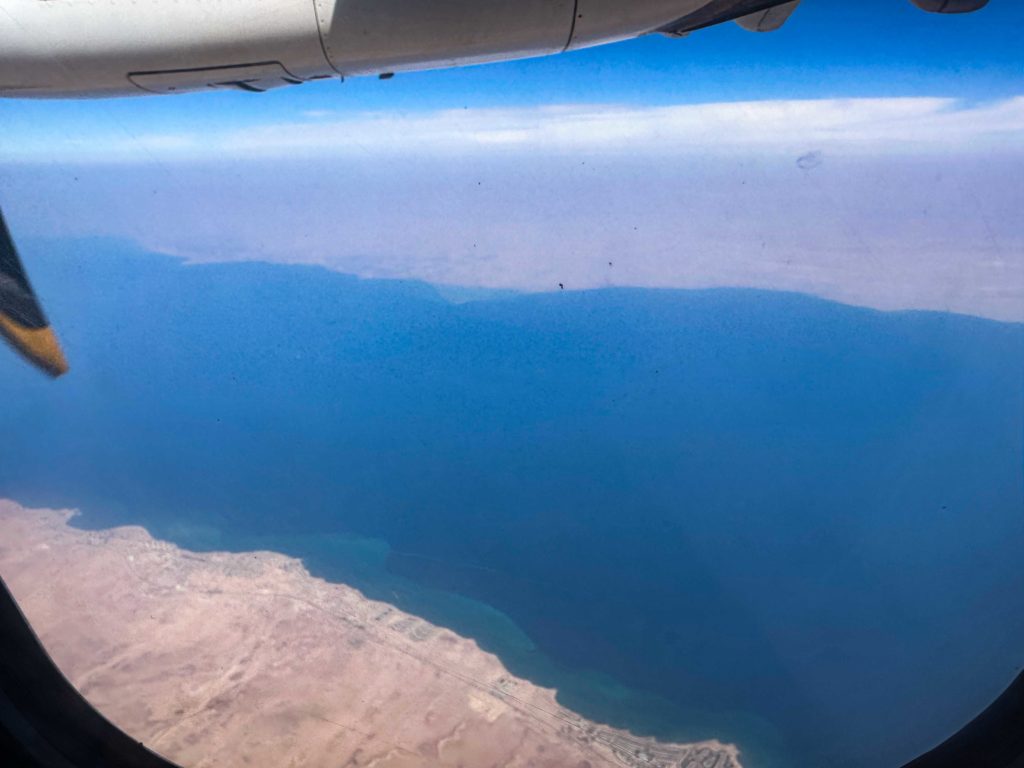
(871, 153)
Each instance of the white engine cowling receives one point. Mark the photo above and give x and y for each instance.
(372, 36)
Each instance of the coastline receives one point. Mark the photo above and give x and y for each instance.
(230, 658)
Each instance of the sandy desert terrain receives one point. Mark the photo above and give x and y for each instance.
(247, 660)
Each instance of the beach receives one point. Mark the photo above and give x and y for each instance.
(246, 659)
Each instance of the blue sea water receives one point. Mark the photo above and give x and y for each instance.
(754, 516)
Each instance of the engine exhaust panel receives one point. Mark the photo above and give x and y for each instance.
(605, 21)
(363, 37)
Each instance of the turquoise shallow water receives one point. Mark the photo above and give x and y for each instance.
(363, 563)
(754, 516)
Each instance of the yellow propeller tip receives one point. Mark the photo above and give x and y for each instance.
(39, 346)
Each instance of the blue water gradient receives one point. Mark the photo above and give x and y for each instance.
(754, 516)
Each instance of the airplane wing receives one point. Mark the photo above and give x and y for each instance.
(22, 322)
(55, 50)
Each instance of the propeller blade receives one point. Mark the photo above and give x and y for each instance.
(22, 322)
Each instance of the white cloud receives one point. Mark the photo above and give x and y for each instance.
(903, 125)
(886, 202)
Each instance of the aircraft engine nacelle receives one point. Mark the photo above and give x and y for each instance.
(108, 47)
(950, 6)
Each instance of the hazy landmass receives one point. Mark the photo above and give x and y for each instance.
(245, 659)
